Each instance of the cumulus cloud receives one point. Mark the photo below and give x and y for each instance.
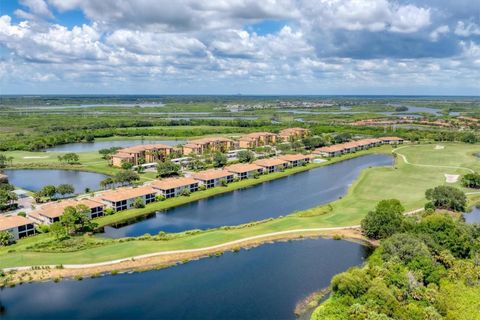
(317, 44)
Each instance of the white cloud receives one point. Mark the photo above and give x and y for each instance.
(467, 30)
(435, 34)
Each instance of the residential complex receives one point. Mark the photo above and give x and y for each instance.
(17, 226)
(244, 170)
(257, 139)
(290, 134)
(271, 165)
(145, 153)
(124, 198)
(51, 212)
(295, 160)
(173, 187)
(213, 177)
(200, 146)
(352, 146)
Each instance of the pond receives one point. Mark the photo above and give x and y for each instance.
(262, 283)
(473, 216)
(35, 179)
(269, 199)
(97, 145)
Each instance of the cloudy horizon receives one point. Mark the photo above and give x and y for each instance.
(289, 47)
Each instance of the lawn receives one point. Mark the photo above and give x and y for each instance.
(406, 182)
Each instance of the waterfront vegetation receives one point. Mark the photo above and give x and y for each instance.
(428, 268)
(405, 181)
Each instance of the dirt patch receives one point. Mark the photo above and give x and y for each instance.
(36, 157)
(439, 147)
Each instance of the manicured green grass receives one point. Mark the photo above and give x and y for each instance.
(405, 182)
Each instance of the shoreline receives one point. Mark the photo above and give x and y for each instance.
(163, 259)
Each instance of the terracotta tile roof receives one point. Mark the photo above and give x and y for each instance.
(242, 167)
(390, 138)
(269, 162)
(56, 209)
(191, 145)
(211, 174)
(126, 193)
(209, 140)
(332, 148)
(255, 135)
(10, 222)
(294, 157)
(144, 147)
(122, 155)
(171, 183)
(290, 131)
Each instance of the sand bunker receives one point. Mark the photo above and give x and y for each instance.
(451, 178)
(35, 157)
(439, 147)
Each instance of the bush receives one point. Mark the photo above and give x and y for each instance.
(138, 203)
(471, 180)
(159, 198)
(108, 211)
(185, 192)
(22, 214)
(223, 182)
(202, 187)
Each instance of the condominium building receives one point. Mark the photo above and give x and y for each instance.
(200, 146)
(213, 177)
(124, 198)
(51, 212)
(172, 187)
(293, 134)
(295, 160)
(17, 226)
(257, 139)
(271, 165)
(392, 140)
(146, 153)
(244, 170)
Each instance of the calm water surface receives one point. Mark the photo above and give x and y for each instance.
(473, 216)
(270, 199)
(35, 179)
(261, 283)
(97, 145)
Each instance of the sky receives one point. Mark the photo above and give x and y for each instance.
(414, 47)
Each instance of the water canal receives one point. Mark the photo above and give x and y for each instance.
(269, 199)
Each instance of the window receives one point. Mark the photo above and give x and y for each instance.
(149, 198)
(194, 187)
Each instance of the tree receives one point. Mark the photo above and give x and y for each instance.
(219, 159)
(58, 230)
(167, 168)
(3, 161)
(76, 219)
(138, 203)
(126, 165)
(107, 182)
(195, 164)
(245, 156)
(107, 153)
(7, 198)
(313, 142)
(5, 238)
(48, 191)
(126, 177)
(469, 137)
(384, 221)
(447, 197)
(70, 158)
(64, 189)
(471, 180)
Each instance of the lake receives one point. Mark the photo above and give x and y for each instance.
(261, 283)
(97, 145)
(35, 179)
(269, 199)
(473, 216)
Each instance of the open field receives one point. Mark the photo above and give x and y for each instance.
(406, 181)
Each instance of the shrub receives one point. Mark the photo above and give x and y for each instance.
(22, 214)
(185, 192)
(108, 211)
(202, 187)
(223, 182)
(138, 203)
(159, 198)
(471, 180)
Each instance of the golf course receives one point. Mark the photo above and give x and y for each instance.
(417, 167)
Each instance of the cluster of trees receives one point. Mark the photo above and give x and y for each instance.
(411, 274)
(122, 178)
(471, 180)
(4, 161)
(51, 191)
(167, 169)
(75, 220)
(7, 196)
(70, 158)
(108, 152)
(245, 156)
(447, 198)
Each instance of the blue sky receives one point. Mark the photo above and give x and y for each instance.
(240, 46)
